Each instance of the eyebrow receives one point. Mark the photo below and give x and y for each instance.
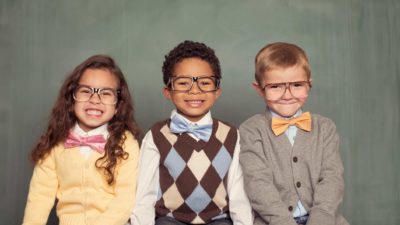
(85, 85)
(189, 76)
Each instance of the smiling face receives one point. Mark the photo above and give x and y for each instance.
(92, 113)
(288, 104)
(193, 104)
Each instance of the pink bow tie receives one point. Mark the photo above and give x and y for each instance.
(96, 142)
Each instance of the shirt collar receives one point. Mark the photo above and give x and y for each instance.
(99, 130)
(206, 120)
(298, 113)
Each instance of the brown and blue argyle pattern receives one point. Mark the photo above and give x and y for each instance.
(193, 174)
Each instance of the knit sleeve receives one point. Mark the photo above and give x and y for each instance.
(258, 177)
(329, 190)
(42, 192)
(120, 207)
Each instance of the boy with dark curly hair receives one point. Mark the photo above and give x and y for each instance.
(189, 167)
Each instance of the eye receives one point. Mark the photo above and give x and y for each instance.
(205, 82)
(274, 86)
(107, 92)
(298, 84)
(84, 90)
(182, 82)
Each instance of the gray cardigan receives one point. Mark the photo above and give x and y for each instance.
(277, 175)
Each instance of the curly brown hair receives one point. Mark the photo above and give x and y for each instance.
(63, 118)
(190, 49)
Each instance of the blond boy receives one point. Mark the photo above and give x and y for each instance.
(293, 173)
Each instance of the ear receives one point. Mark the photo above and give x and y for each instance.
(310, 82)
(258, 89)
(116, 107)
(167, 93)
(218, 93)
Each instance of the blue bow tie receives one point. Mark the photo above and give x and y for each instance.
(179, 125)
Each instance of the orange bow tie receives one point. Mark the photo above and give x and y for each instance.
(280, 125)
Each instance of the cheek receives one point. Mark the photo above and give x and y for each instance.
(270, 104)
(302, 100)
(177, 97)
(114, 108)
(78, 106)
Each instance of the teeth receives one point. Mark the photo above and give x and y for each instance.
(194, 103)
(93, 112)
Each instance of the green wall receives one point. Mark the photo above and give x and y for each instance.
(352, 44)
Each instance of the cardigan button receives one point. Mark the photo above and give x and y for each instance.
(295, 159)
(298, 184)
(290, 208)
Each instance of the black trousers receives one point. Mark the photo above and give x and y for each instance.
(302, 220)
(166, 220)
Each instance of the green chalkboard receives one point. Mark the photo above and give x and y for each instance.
(352, 45)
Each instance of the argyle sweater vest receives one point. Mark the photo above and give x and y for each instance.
(193, 174)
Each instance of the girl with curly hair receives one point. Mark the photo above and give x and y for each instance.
(87, 157)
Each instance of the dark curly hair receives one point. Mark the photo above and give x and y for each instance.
(63, 118)
(190, 49)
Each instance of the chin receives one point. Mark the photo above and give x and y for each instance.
(286, 113)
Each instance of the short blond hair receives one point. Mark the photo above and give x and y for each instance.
(280, 55)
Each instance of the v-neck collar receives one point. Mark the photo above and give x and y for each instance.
(199, 144)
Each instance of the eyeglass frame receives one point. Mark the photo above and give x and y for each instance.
(194, 79)
(97, 91)
(287, 86)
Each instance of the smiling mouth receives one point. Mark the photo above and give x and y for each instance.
(194, 103)
(289, 102)
(94, 112)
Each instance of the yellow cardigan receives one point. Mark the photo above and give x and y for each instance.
(84, 197)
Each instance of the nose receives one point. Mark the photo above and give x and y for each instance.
(286, 93)
(95, 98)
(195, 88)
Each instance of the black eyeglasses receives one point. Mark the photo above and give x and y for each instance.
(298, 89)
(108, 96)
(185, 83)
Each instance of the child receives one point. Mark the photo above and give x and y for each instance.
(88, 156)
(291, 162)
(189, 167)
